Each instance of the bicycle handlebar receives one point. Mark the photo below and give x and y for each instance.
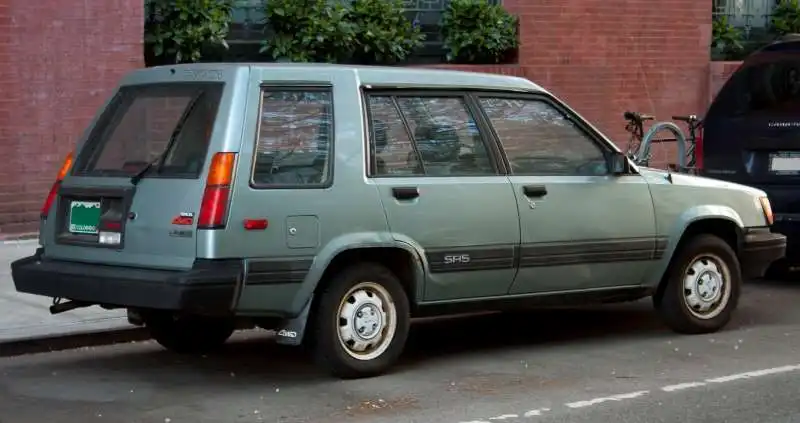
(687, 119)
(637, 117)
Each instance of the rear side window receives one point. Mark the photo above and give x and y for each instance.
(169, 125)
(295, 138)
(426, 136)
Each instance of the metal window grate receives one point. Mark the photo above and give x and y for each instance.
(746, 14)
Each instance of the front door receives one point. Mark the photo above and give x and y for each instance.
(442, 191)
(581, 226)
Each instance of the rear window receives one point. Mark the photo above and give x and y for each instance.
(168, 125)
(762, 89)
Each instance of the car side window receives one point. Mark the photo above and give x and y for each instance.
(426, 135)
(295, 138)
(391, 147)
(538, 139)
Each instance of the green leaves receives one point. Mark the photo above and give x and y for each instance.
(786, 17)
(475, 31)
(365, 31)
(177, 30)
(725, 37)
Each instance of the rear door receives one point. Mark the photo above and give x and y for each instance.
(133, 193)
(442, 190)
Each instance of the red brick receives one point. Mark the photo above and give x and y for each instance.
(58, 59)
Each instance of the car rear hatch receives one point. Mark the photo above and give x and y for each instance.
(752, 130)
(133, 194)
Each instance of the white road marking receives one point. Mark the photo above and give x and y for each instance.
(757, 373)
(682, 386)
(536, 412)
(637, 394)
(618, 397)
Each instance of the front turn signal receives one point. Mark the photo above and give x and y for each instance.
(766, 207)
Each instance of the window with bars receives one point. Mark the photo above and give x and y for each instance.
(248, 16)
(745, 14)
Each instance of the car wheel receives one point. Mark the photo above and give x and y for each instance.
(361, 322)
(189, 334)
(702, 287)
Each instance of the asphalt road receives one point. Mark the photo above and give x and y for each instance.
(612, 364)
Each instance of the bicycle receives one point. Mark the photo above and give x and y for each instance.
(639, 144)
(695, 124)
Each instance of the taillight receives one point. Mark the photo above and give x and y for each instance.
(214, 207)
(698, 150)
(51, 196)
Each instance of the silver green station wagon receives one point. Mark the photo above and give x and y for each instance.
(332, 204)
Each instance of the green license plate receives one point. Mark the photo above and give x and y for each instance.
(84, 216)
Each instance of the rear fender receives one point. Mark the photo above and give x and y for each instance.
(291, 330)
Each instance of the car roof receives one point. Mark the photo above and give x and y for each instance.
(388, 75)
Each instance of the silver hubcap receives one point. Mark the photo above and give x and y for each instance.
(706, 286)
(367, 321)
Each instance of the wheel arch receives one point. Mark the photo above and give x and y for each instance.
(724, 227)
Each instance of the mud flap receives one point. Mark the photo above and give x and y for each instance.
(291, 331)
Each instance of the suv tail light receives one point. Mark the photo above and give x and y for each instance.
(214, 207)
(51, 196)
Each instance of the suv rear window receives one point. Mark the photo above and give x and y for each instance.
(167, 124)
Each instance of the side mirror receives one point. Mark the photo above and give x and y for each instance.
(618, 164)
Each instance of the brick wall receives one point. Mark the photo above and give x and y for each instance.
(58, 61)
(60, 57)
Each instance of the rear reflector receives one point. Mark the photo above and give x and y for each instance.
(255, 224)
(51, 196)
(214, 206)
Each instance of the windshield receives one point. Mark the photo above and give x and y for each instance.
(139, 124)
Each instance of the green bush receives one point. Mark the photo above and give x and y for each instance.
(726, 40)
(786, 17)
(364, 31)
(384, 35)
(307, 31)
(475, 31)
(177, 30)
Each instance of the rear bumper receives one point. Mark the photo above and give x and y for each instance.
(210, 287)
(760, 248)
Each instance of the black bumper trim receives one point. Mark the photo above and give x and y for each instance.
(760, 248)
(209, 287)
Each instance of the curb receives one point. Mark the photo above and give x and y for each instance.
(72, 341)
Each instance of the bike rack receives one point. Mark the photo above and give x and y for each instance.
(647, 139)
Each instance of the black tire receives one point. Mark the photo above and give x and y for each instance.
(189, 334)
(328, 351)
(671, 303)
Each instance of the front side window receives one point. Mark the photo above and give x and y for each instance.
(538, 139)
(424, 135)
(295, 138)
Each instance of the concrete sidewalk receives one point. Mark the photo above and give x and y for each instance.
(26, 317)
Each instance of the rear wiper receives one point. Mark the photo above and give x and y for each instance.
(172, 138)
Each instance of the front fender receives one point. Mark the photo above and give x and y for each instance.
(676, 229)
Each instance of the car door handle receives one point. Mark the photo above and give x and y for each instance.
(534, 190)
(405, 193)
